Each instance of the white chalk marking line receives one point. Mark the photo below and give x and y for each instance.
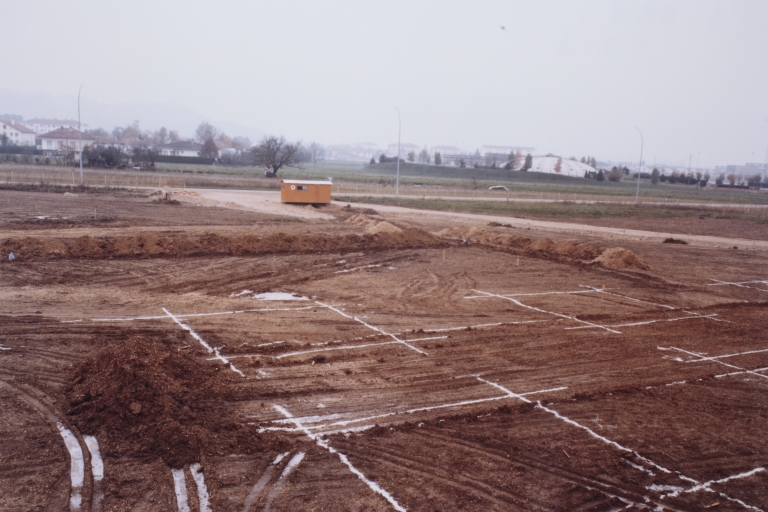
(738, 373)
(322, 443)
(601, 290)
(742, 284)
(645, 322)
(704, 359)
(202, 490)
(4, 348)
(532, 294)
(292, 464)
(371, 327)
(579, 425)
(180, 488)
(327, 349)
(439, 406)
(560, 315)
(705, 485)
(207, 347)
(76, 466)
(427, 339)
(611, 443)
(192, 315)
(732, 355)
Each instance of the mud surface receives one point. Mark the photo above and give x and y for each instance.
(147, 398)
(507, 373)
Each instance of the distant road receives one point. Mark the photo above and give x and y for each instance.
(570, 201)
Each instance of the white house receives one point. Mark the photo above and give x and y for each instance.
(64, 139)
(41, 126)
(16, 133)
(180, 148)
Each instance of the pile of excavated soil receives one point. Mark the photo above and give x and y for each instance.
(620, 258)
(386, 237)
(144, 398)
(373, 226)
(546, 248)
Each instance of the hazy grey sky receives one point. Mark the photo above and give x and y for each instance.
(568, 77)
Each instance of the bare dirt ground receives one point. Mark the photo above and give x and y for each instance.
(142, 368)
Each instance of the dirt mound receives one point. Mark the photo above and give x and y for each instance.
(380, 236)
(143, 398)
(382, 227)
(373, 226)
(546, 248)
(622, 259)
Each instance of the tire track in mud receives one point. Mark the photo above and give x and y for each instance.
(425, 466)
(81, 472)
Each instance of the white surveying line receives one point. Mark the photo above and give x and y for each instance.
(738, 373)
(714, 360)
(324, 444)
(560, 315)
(464, 328)
(371, 327)
(579, 425)
(207, 347)
(742, 284)
(202, 490)
(76, 466)
(180, 488)
(192, 315)
(705, 485)
(292, 464)
(532, 294)
(619, 446)
(327, 349)
(601, 290)
(646, 322)
(4, 348)
(427, 339)
(444, 406)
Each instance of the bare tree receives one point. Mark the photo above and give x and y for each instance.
(173, 136)
(205, 131)
(275, 153)
(316, 152)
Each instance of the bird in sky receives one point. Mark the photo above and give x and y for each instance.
(503, 27)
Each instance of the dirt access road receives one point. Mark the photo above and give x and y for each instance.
(257, 368)
(269, 202)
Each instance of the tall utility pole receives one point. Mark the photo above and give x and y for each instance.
(397, 176)
(80, 135)
(640, 165)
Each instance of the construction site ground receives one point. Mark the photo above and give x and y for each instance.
(157, 355)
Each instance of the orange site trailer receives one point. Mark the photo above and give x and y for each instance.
(308, 192)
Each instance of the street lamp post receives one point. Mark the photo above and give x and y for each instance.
(80, 135)
(640, 165)
(397, 176)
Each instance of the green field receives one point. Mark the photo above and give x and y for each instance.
(566, 210)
